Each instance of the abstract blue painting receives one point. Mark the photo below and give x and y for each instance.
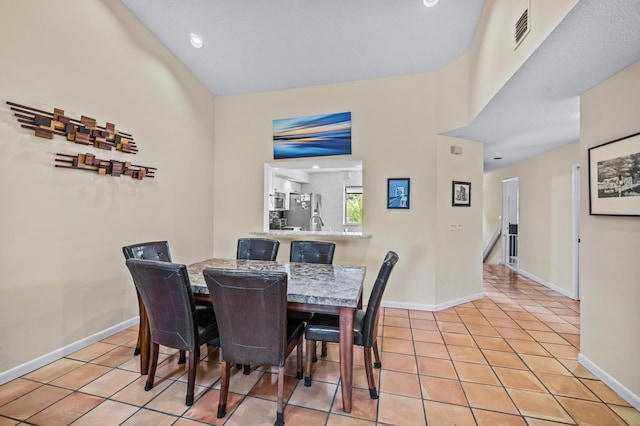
(312, 136)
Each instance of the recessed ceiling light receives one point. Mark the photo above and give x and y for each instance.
(430, 3)
(196, 40)
(315, 167)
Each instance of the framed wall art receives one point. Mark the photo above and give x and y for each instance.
(312, 136)
(614, 177)
(398, 195)
(460, 194)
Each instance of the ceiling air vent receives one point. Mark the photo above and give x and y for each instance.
(522, 27)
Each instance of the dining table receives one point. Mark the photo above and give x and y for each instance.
(311, 287)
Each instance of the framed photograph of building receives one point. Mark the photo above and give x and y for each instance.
(460, 194)
(398, 193)
(614, 177)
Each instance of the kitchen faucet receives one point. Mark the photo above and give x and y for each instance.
(315, 222)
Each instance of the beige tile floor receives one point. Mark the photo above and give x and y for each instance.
(509, 358)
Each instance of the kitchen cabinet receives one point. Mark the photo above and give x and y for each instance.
(284, 185)
(277, 185)
(287, 187)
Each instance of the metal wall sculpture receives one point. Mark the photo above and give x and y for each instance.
(85, 132)
(90, 163)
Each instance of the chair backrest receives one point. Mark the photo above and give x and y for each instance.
(370, 322)
(153, 250)
(251, 310)
(257, 249)
(312, 251)
(166, 293)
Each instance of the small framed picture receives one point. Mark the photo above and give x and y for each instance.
(614, 177)
(398, 193)
(460, 194)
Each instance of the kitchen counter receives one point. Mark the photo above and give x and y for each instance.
(323, 234)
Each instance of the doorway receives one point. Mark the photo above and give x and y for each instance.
(510, 221)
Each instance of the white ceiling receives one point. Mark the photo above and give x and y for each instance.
(263, 45)
(539, 107)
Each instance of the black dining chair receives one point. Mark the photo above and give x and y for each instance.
(311, 252)
(251, 307)
(152, 250)
(257, 249)
(326, 328)
(174, 321)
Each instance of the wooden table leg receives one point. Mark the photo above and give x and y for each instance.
(143, 339)
(346, 356)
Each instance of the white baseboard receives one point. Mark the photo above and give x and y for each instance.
(545, 283)
(617, 387)
(432, 308)
(28, 367)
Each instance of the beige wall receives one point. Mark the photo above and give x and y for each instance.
(452, 95)
(609, 267)
(545, 238)
(394, 124)
(492, 57)
(459, 229)
(61, 231)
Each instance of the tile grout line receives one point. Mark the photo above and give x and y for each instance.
(555, 396)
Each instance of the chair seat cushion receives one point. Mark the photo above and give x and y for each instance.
(326, 328)
(207, 325)
(295, 328)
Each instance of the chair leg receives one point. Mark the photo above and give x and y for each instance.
(311, 346)
(323, 354)
(314, 356)
(136, 351)
(140, 309)
(191, 377)
(246, 369)
(299, 359)
(377, 364)
(153, 363)
(183, 357)
(369, 369)
(224, 389)
(280, 408)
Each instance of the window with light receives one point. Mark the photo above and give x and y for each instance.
(353, 205)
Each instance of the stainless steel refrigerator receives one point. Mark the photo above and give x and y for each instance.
(301, 208)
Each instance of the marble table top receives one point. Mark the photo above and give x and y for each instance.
(310, 283)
